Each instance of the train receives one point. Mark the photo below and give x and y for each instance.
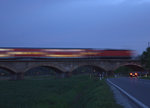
(65, 53)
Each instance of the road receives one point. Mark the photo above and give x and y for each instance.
(138, 88)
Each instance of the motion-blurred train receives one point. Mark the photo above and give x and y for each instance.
(20, 53)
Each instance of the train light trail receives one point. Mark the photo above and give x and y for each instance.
(14, 53)
(89, 53)
(4, 55)
(64, 50)
(56, 55)
(1, 49)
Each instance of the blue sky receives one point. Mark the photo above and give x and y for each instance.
(116, 24)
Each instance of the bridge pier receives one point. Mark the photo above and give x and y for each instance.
(17, 76)
(68, 74)
(63, 75)
(60, 75)
(20, 76)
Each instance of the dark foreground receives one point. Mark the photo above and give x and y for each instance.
(138, 88)
(75, 92)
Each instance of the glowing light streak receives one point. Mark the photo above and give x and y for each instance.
(64, 50)
(89, 53)
(1, 49)
(4, 55)
(55, 55)
(40, 53)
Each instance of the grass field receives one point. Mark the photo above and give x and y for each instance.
(74, 92)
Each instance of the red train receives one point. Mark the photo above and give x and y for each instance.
(64, 53)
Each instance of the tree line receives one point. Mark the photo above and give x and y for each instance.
(145, 59)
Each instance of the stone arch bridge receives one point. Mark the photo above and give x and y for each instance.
(66, 66)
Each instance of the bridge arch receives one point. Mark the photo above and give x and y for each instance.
(44, 70)
(7, 68)
(92, 67)
(133, 66)
(47, 66)
(125, 69)
(6, 72)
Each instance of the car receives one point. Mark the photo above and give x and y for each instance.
(133, 74)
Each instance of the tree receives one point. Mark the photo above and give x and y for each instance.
(145, 58)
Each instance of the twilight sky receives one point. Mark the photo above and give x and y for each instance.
(115, 24)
